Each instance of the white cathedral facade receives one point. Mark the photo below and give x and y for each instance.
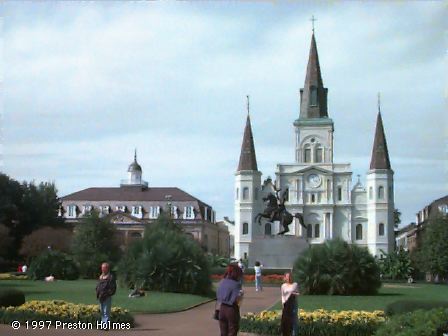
(315, 185)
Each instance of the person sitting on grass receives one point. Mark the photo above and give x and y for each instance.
(105, 288)
(137, 292)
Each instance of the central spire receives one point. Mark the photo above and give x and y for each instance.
(313, 96)
(380, 154)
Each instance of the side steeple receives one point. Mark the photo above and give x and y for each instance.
(313, 96)
(248, 159)
(380, 154)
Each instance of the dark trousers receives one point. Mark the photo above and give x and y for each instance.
(229, 320)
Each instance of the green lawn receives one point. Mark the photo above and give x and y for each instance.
(387, 294)
(83, 291)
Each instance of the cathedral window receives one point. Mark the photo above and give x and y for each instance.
(245, 228)
(268, 229)
(359, 232)
(313, 198)
(370, 193)
(286, 193)
(316, 230)
(319, 154)
(339, 193)
(381, 229)
(313, 96)
(381, 192)
(309, 231)
(245, 193)
(307, 154)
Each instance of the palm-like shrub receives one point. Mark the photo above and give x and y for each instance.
(337, 268)
(396, 265)
(166, 260)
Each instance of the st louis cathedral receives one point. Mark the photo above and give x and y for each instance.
(314, 185)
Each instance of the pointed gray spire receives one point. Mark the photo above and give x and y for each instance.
(248, 159)
(380, 154)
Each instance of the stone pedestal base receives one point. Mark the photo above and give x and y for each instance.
(276, 251)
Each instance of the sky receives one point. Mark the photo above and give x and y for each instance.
(84, 83)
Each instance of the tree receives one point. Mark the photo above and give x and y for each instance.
(5, 240)
(337, 268)
(39, 241)
(397, 218)
(166, 260)
(94, 242)
(433, 254)
(396, 265)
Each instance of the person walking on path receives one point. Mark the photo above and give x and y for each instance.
(257, 269)
(105, 288)
(242, 267)
(290, 321)
(229, 295)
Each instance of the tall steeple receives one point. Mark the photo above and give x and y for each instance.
(380, 154)
(248, 159)
(313, 96)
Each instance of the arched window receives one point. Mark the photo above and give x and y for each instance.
(339, 193)
(313, 198)
(313, 96)
(268, 229)
(245, 193)
(236, 193)
(307, 154)
(245, 228)
(359, 232)
(309, 231)
(319, 154)
(381, 192)
(316, 230)
(256, 193)
(381, 229)
(370, 193)
(286, 193)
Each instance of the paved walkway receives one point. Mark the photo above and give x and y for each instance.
(194, 322)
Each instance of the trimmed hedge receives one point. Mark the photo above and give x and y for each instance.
(406, 306)
(420, 322)
(11, 297)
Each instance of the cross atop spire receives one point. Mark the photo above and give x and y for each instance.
(248, 111)
(313, 19)
(379, 102)
(135, 154)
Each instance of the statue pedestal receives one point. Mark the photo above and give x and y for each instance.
(276, 251)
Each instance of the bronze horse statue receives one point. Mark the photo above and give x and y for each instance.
(276, 211)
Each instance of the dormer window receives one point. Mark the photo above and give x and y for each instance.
(154, 212)
(121, 208)
(189, 212)
(137, 211)
(86, 209)
(313, 96)
(71, 211)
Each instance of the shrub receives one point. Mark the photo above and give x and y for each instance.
(317, 323)
(55, 263)
(337, 268)
(396, 265)
(12, 276)
(61, 311)
(94, 242)
(406, 306)
(420, 322)
(11, 297)
(166, 260)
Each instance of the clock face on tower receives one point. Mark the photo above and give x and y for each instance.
(314, 180)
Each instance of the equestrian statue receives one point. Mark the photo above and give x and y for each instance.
(276, 211)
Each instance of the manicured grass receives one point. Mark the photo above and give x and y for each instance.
(83, 291)
(387, 294)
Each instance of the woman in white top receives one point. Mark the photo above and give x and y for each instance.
(290, 320)
(257, 269)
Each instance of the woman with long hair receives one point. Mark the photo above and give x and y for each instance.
(229, 296)
(289, 323)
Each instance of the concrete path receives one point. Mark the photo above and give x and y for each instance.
(194, 322)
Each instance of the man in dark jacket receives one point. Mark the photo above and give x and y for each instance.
(105, 288)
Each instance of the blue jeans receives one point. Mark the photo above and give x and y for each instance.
(105, 307)
(258, 285)
(295, 321)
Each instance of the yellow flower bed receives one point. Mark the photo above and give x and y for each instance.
(63, 309)
(8, 276)
(345, 317)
